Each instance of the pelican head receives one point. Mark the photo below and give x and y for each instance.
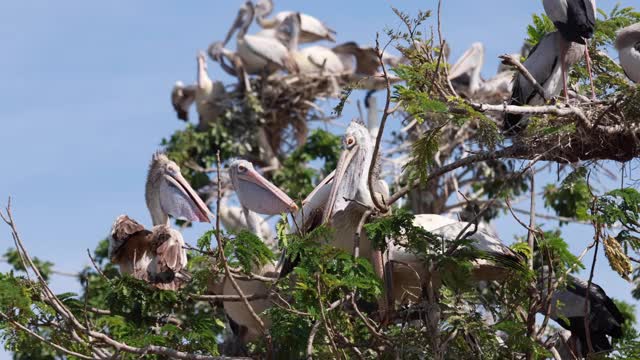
(169, 193)
(350, 181)
(263, 8)
(256, 193)
(243, 21)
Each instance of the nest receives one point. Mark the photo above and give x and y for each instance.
(593, 131)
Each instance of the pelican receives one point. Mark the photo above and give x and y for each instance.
(312, 29)
(205, 93)
(313, 59)
(545, 63)
(157, 255)
(567, 309)
(363, 64)
(259, 54)
(256, 194)
(343, 214)
(576, 21)
(465, 73)
(628, 45)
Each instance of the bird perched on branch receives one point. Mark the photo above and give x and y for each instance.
(545, 63)
(259, 54)
(568, 309)
(576, 21)
(158, 255)
(206, 94)
(628, 45)
(256, 194)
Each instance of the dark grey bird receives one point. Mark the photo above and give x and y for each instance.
(576, 21)
(567, 309)
(546, 63)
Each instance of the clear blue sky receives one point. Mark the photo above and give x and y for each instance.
(85, 101)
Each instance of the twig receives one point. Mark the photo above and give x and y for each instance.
(48, 342)
(95, 265)
(511, 60)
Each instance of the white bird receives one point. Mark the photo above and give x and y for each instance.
(206, 94)
(313, 59)
(312, 29)
(343, 214)
(256, 194)
(465, 73)
(363, 65)
(576, 21)
(628, 45)
(158, 256)
(259, 54)
(545, 63)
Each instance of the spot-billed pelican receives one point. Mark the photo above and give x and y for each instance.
(158, 255)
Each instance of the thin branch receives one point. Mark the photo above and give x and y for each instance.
(40, 338)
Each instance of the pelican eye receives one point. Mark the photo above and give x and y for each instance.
(350, 141)
(242, 168)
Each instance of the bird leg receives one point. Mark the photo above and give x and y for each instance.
(588, 60)
(563, 66)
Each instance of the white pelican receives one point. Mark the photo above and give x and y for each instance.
(313, 59)
(259, 54)
(465, 73)
(256, 194)
(158, 255)
(363, 65)
(545, 63)
(628, 45)
(576, 21)
(207, 95)
(312, 29)
(343, 214)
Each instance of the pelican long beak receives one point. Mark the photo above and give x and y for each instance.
(181, 184)
(343, 165)
(273, 200)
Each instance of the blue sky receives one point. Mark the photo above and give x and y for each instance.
(85, 101)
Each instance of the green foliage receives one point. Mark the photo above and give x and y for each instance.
(247, 250)
(296, 177)
(12, 257)
(573, 198)
(540, 27)
(552, 247)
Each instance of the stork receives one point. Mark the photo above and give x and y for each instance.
(576, 21)
(568, 310)
(206, 93)
(256, 194)
(465, 73)
(546, 62)
(259, 54)
(628, 45)
(312, 29)
(157, 255)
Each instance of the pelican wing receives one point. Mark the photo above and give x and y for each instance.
(170, 255)
(267, 48)
(181, 98)
(311, 28)
(123, 229)
(470, 61)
